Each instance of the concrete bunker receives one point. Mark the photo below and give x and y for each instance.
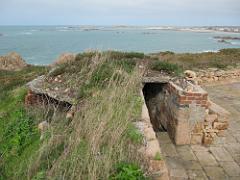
(184, 110)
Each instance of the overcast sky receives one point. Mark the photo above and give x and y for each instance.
(120, 12)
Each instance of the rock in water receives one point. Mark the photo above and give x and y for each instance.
(12, 62)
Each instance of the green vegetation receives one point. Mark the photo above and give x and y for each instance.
(127, 171)
(101, 141)
(158, 156)
(223, 59)
(166, 67)
(18, 134)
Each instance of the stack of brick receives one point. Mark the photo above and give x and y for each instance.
(216, 75)
(32, 99)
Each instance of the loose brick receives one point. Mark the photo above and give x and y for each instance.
(220, 125)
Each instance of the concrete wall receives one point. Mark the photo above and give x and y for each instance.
(182, 109)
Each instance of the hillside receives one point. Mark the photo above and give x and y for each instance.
(100, 141)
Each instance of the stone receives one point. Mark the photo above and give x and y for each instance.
(190, 74)
(221, 154)
(186, 153)
(163, 138)
(71, 113)
(192, 165)
(206, 158)
(178, 174)
(174, 162)
(199, 148)
(152, 148)
(43, 126)
(149, 133)
(198, 128)
(215, 173)
(196, 138)
(211, 118)
(231, 168)
(207, 139)
(169, 150)
(220, 125)
(221, 133)
(194, 174)
(182, 134)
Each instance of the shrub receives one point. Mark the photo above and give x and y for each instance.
(128, 55)
(158, 156)
(166, 67)
(102, 75)
(127, 171)
(134, 134)
(127, 64)
(167, 53)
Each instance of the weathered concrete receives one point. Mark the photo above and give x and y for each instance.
(220, 160)
(184, 110)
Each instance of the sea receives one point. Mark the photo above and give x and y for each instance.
(41, 45)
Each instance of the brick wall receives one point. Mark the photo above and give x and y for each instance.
(183, 109)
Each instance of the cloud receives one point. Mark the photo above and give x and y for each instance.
(95, 11)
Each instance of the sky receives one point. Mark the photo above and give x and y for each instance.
(120, 12)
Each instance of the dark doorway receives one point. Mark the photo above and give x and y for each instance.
(154, 98)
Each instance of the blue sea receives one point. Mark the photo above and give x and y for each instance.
(41, 45)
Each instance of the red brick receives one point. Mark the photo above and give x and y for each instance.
(182, 97)
(190, 98)
(199, 98)
(189, 94)
(197, 94)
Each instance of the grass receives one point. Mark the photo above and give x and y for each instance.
(127, 171)
(101, 141)
(166, 67)
(18, 134)
(225, 58)
(101, 135)
(158, 156)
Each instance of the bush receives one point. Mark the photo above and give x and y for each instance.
(128, 55)
(127, 171)
(134, 134)
(167, 53)
(127, 64)
(166, 67)
(158, 156)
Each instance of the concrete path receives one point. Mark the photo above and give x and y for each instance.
(219, 161)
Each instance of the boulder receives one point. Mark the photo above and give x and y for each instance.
(190, 74)
(12, 62)
(42, 127)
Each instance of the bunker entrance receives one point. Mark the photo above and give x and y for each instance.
(154, 97)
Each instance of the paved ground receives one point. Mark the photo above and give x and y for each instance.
(219, 161)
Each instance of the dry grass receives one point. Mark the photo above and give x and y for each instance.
(223, 59)
(98, 137)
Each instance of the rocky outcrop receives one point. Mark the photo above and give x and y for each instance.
(12, 61)
(64, 58)
(214, 75)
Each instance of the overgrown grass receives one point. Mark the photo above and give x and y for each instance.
(102, 134)
(223, 59)
(19, 137)
(127, 171)
(166, 67)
